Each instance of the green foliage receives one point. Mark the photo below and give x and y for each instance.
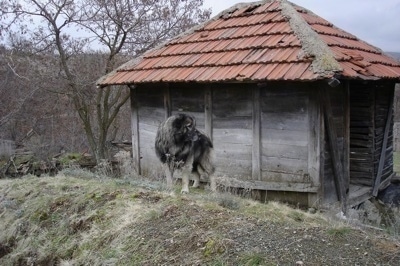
(339, 231)
(70, 158)
(253, 259)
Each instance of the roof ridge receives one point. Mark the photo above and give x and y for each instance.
(324, 62)
(228, 39)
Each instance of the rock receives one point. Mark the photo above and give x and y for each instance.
(390, 195)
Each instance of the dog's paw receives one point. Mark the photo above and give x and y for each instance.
(184, 191)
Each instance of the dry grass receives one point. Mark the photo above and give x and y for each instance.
(81, 218)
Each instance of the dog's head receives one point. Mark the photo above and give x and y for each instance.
(185, 128)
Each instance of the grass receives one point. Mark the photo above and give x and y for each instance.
(396, 162)
(82, 218)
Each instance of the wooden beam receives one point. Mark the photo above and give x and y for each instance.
(256, 147)
(346, 136)
(208, 112)
(383, 149)
(262, 185)
(315, 160)
(135, 130)
(333, 144)
(167, 101)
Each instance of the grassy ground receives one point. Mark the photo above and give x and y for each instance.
(77, 218)
(396, 162)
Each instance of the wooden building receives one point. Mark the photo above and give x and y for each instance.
(296, 107)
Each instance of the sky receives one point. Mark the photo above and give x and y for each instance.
(373, 21)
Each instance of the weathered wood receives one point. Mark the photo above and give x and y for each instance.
(167, 102)
(135, 130)
(334, 149)
(270, 149)
(346, 137)
(361, 135)
(286, 137)
(208, 112)
(281, 176)
(276, 186)
(288, 165)
(238, 136)
(383, 149)
(256, 150)
(314, 144)
(358, 194)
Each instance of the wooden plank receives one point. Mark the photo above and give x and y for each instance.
(262, 185)
(294, 166)
(167, 102)
(287, 137)
(270, 149)
(135, 130)
(384, 145)
(280, 176)
(256, 150)
(358, 194)
(208, 112)
(333, 143)
(240, 149)
(238, 136)
(346, 136)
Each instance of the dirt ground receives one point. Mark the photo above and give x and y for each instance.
(68, 220)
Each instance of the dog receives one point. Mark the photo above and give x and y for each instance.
(180, 146)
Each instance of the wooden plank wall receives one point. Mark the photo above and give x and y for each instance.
(151, 113)
(338, 99)
(383, 133)
(370, 105)
(362, 110)
(285, 131)
(232, 130)
(288, 151)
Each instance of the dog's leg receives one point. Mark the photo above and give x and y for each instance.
(168, 175)
(185, 183)
(196, 179)
(185, 179)
(213, 184)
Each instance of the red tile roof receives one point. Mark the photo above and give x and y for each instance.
(267, 40)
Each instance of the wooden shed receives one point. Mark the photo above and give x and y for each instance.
(296, 107)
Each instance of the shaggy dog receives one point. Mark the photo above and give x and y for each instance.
(180, 146)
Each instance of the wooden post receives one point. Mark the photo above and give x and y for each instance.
(346, 137)
(167, 101)
(314, 146)
(383, 149)
(208, 112)
(256, 150)
(333, 143)
(135, 129)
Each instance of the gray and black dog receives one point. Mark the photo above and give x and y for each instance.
(180, 146)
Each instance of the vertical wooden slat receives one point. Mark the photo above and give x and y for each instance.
(167, 101)
(383, 149)
(256, 149)
(334, 147)
(314, 147)
(135, 129)
(346, 136)
(208, 112)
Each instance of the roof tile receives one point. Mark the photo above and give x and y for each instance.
(256, 42)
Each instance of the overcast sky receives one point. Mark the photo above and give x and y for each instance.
(373, 21)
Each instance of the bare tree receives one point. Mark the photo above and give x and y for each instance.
(89, 38)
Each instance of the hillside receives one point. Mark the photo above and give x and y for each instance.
(78, 218)
(394, 55)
